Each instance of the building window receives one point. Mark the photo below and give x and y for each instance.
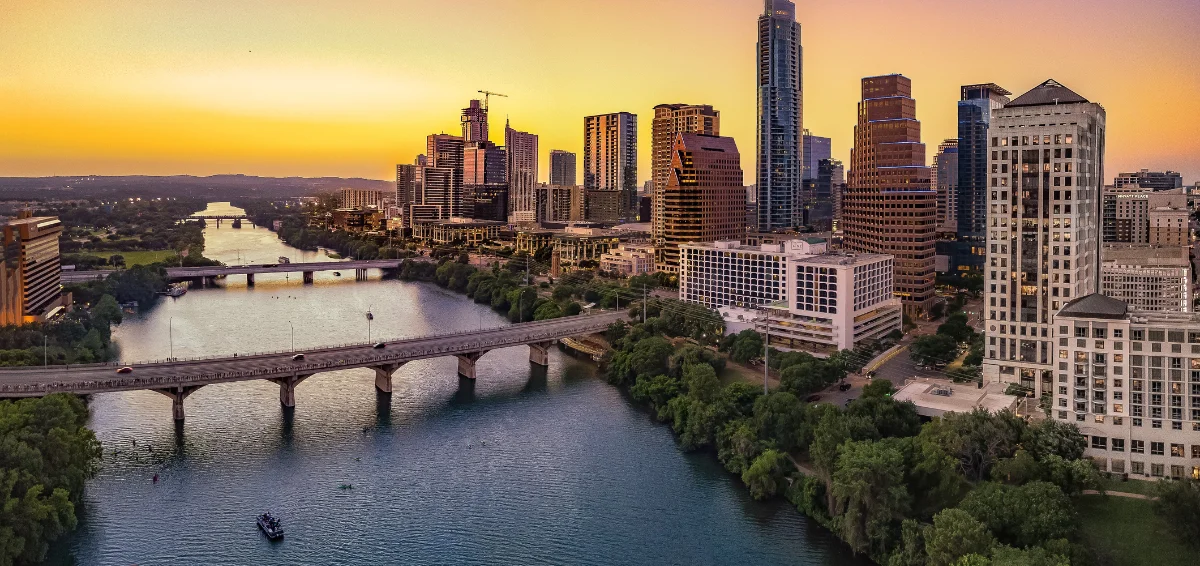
(1177, 451)
(1157, 449)
(1137, 468)
(1118, 445)
(1101, 442)
(1137, 447)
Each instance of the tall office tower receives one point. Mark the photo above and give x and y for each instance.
(945, 170)
(1150, 179)
(889, 206)
(1047, 154)
(407, 184)
(780, 117)
(610, 160)
(485, 181)
(474, 123)
(443, 175)
(670, 120)
(975, 111)
(704, 199)
(815, 201)
(816, 148)
(31, 248)
(562, 168)
(522, 175)
(831, 180)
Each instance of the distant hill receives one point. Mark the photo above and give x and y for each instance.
(219, 187)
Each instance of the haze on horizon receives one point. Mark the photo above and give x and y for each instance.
(351, 88)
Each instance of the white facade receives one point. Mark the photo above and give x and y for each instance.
(1131, 382)
(629, 260)
(1046, 165)
(815, 300)
(1148, 278)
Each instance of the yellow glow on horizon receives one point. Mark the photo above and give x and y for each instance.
(315, 88)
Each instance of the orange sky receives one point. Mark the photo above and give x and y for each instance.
(350, 88)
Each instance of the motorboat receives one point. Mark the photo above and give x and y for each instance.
(270, 526)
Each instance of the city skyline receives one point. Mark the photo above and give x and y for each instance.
(249, 89)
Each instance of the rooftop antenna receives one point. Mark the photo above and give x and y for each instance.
(488, 94)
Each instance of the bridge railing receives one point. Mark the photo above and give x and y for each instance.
(260, 372)
(320, 349)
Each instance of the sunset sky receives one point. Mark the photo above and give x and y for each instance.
(352, 87)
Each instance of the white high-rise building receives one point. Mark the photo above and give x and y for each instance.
(1046, 165)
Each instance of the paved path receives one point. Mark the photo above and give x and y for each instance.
(1118, 494)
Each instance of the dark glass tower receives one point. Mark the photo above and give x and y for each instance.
(974, 116)
(780, 117)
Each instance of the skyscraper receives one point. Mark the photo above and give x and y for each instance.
(889, 206)
(815, 201)
(443, 176)
(704, 199)
(780, 116)
(945, 182)
(562, 168)
(485, 181)
(522, 150)
(670, 120)
(610, 160)
(975, 111)
(1047, 157)
(474, 123)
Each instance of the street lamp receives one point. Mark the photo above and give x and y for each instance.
(293, 328)
(171, 335)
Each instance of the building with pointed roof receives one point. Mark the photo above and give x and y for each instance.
(1046, 173)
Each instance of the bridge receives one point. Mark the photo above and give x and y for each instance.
(207, 274)
(178, 379)
(217, 217)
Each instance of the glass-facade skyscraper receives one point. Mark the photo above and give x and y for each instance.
(780, 117)
(975, 111)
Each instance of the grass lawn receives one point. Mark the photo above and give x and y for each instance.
(1131, 486)
(138, 257)
(1130, 532)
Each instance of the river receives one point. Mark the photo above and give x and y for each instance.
(524, 466)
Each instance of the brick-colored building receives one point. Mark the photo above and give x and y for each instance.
(889, 206)
(704, 200)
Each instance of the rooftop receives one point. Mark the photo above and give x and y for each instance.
(1145, 255)
(935, 398)
(1095, 306)
(1049, 93)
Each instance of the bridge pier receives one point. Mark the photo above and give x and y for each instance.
(177, 395)
(383, 377)
(249, 279)
(308, 278)
(466, 363)
(287, 389)
(360, 274)
(539, 353)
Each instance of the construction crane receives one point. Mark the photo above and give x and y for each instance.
(487, 94)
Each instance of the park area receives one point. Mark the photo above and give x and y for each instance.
(1129, 533)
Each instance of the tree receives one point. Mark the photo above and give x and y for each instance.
(1178, 503)
(779, 416)
(1051, 437)
(548, 311)
(701, 382)
(911, 550)
(955, 534)
(869, 494)
(978, 439)
(957, 328)
(765, 474)
(878, 388)
(657, 390)
(745, 346)
(936, 349)
(107, 311)
(1027, 515)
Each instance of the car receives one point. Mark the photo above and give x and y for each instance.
(298, 358)
(125, 369)
(844, 387)
(379, 346)
(812, 399)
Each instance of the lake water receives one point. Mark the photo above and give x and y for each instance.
(526, 465)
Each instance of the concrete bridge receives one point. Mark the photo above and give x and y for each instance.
(208, 274)
(178, 379)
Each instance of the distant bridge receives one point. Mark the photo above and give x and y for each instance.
(217, 217)
(206, 274)
(179, 378)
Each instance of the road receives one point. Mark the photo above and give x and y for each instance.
(34, 382)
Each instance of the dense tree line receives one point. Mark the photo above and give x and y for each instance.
(127, 225)
(46, 456)
(80, 336)
(966, 489)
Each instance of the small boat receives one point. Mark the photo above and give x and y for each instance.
(284, 259)
(346, 486)
(337, 273)
(176, 290)
(270, 526)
